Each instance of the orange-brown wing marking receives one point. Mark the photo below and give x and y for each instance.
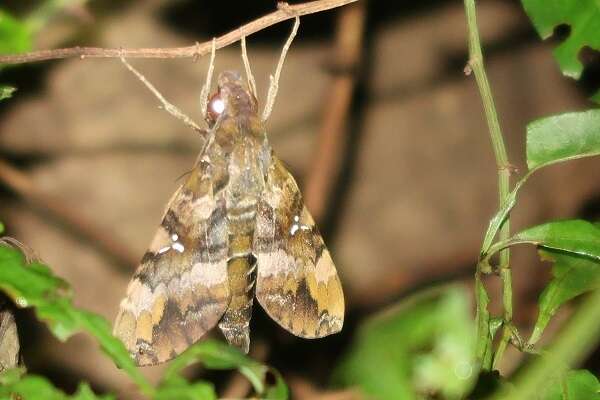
(180, 290)
(297, 283)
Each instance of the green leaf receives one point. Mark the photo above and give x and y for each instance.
(498, 219)
(278, 391)
(563, 137)
(2, 228)
(15, 384)
(572, 275)
(186, 391)
(15, 36)
(426, 345)
(583, 17)
(34, 285)
(6, 92)
(218, 355)
(573, 236)
(84, 392)
(574, 385)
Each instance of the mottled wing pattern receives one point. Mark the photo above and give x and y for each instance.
(9, 340)
(297, 283)
(180, 290)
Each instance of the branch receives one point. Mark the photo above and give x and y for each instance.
(284, 12)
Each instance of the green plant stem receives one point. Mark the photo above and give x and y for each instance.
(477, 66)
(506, 277)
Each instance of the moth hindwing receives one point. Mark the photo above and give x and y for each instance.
(235, 229)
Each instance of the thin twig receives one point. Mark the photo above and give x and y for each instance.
(336, 109)
(283, 13)
(24, 186)
(477, 66)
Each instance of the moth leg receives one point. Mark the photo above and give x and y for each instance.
(274, 86)
(168, 107)
(30, 255)
(249, 76)
(206, 87)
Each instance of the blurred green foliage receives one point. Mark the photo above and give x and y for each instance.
(6, 92)
(574, 385)
(15, 36)
(425, 345)
(15, 382)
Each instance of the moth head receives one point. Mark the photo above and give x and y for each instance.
(232, 99)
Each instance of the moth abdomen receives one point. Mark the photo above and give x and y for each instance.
(235, 323)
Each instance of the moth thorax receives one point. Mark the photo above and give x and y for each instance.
(233, 99)
(236, 95)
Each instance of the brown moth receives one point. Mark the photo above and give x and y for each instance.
(237, 228)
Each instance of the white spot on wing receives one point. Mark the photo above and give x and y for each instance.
(162, 237)
(297, 225)
(178, 247)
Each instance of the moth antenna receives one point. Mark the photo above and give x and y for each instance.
(274, 86)
(249, 76)
(206, 87)
(168, 107)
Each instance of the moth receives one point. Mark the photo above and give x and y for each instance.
(236, 229)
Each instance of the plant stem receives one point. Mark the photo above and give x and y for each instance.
(477, 66)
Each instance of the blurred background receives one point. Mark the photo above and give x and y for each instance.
(375, 118)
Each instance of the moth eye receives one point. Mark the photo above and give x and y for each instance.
(216, 106)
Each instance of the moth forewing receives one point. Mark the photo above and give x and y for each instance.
(297, 283)
(180, 290)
